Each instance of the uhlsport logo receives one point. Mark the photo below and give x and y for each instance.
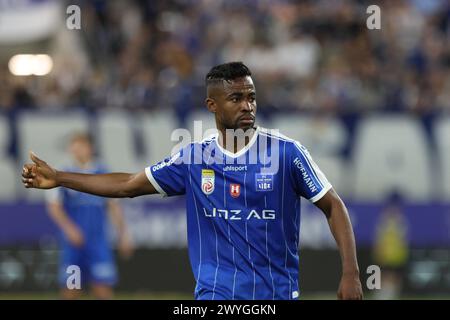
(207, 181)
(235, 190)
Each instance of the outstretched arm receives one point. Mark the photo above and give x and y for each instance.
(340, 225)
(40, 175)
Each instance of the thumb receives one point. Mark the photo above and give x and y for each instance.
(35, 159)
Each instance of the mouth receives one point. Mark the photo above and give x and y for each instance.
(247, 119)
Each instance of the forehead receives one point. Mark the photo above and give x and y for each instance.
(244, 84)
(79, 140)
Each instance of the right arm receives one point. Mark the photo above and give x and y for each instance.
(113, 185)
(67, 226)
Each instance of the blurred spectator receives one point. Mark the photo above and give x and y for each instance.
(306, 55)
(391, 248)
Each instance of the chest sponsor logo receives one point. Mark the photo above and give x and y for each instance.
(264, 182)
(208, 181)
(237, 214)
(235, 190)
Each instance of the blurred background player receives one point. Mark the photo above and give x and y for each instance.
(82, 219)
(391, 247)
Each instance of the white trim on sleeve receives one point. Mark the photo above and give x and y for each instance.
(152, 180)
(53, 195)
(319, 196)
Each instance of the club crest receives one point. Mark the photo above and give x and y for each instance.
(235, 190)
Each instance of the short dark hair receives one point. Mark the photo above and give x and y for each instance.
(227, 71)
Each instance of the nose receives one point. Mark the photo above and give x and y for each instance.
(248, 106)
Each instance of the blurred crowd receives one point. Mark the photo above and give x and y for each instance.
(312, 55)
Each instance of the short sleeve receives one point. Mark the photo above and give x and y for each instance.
(54, 195)
(309, 180)
(101, 168)
(168, 175)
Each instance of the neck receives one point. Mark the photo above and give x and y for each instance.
(235, 139)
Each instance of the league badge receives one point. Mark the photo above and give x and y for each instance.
(208, 181)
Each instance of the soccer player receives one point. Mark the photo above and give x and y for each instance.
(82, 219)
(243, 211)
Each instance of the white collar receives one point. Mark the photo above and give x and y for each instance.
(243, 150)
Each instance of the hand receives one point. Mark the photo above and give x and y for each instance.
(38, 174)
(74, 235)
(125, 247)
(350, 288)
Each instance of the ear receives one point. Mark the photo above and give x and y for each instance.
(211, 105)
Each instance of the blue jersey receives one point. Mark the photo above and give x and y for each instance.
(89, 213)
(243, 213)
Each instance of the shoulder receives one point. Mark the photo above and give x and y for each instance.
(275, 134)
(185, 153)
(205, 142)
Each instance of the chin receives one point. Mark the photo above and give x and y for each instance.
(249, 127)
(246, 127)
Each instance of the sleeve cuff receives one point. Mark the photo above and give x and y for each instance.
(319, 196)
(53, 195)
(152, 180)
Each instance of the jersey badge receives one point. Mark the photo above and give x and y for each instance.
(235, 190)
(264, 182)
(208, 181)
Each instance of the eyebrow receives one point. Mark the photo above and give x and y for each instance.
(240, 94)
(234, 94)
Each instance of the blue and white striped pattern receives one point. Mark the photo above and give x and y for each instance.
(245, 246)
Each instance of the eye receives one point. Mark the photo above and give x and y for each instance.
(252, 99)
(235, 100)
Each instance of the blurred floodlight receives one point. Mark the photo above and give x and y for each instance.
(42, 64)
(21, 65)
(30, 64)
